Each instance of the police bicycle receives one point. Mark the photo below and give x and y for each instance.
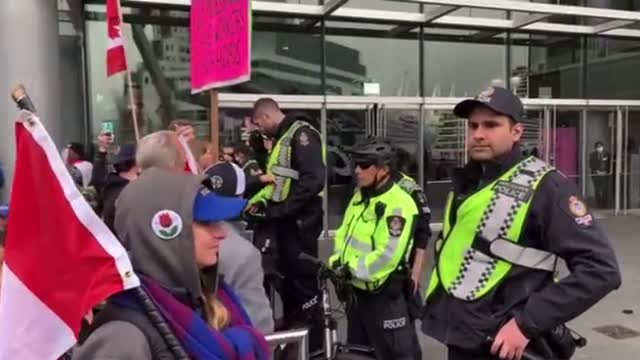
(320, 305)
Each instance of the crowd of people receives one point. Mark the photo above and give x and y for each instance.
(493, 293)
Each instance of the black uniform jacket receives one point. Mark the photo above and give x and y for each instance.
(555, 223)
(306, 158)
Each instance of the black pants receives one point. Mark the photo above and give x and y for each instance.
(459, 354)
(381, 320)
(300, 283)
(601, 187)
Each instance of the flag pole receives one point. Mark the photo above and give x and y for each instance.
(129, 82)
(133, 107)
(215, 123)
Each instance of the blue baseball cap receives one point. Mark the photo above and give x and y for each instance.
(209, 207)
(4, 211)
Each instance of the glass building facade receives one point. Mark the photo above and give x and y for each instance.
(394, 69)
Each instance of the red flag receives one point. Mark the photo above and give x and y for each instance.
(60, 258)
(190, 165)
(116, 59)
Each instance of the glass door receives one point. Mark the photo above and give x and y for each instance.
(445, 148)
(602, 152)
(401, 124)
(563, 141)
(347, 122)
(630, 119)
(532, 140)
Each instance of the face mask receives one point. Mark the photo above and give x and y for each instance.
(599, 149)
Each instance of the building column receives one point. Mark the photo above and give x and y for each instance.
(30, 55)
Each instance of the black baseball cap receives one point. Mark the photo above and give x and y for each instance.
(495, 98)
(227, 179)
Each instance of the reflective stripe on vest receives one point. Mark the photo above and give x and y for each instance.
(373, 252)
(492, 220)
(279, 163)
(250, 162)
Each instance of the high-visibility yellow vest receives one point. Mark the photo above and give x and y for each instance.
(279, 165)
(374, 236)
(477, 252)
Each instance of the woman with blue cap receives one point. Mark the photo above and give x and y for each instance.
(171, 223)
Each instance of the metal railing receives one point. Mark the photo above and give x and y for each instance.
(300, 336)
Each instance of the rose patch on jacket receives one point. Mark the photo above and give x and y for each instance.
(166, 224)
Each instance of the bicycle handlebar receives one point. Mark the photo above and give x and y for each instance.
(337, 276)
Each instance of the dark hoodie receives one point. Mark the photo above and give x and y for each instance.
(170, 262)
(112, 188)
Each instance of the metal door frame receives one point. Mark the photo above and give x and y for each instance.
(426, 104)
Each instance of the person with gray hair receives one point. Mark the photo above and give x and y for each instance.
(242, 270)
(160, 149)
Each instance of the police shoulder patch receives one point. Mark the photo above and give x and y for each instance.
(303, 139)
(395, 224)
(579, 211)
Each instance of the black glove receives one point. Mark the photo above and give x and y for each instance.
(255, 212)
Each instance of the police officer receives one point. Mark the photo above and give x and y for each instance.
(373, 243)
(508, 220)
(422, 232)
(292, 203)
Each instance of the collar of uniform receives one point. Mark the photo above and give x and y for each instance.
(396, 176)
(476, 173)
(379, 191)
(286, 123)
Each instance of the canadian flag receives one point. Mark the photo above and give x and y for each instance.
(116, 58)
(60, 258)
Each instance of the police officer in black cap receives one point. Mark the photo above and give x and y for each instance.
(509, 219)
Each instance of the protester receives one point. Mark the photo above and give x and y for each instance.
(227, 153)
(184, 307)
(81, 171)
(240, 261)
(256, 179)
(75, 158)
(162, 150)
(207, 159)
(125, 171)
(110, 179)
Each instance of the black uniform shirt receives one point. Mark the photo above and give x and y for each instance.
(306, 158)
(555, 223)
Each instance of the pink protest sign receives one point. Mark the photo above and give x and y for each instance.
(220, 43)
